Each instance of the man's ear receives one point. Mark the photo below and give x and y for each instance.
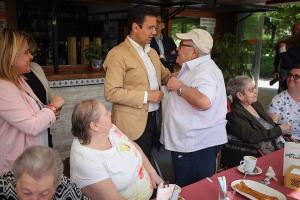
(134, 27)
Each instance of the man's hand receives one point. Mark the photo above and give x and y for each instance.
(174, 84)
(282, 47)
(155, 96)
(275, 75)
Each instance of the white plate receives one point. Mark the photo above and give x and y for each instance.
(258, 187)
(257, 171)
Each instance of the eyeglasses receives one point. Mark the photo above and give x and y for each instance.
(294, 76)
(185, 45)
(251, 90)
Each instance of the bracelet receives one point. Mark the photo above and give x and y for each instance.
(52, 107)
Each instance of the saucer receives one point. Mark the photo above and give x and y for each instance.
(257, 170)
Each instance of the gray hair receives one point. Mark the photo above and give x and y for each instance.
(237, 84)
(38, 161)
(84, 113)
(200, 53)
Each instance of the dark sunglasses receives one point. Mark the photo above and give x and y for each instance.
(294, 76)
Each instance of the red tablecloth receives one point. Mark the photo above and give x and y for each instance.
(204, 189)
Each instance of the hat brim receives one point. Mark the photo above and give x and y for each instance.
(183, 36)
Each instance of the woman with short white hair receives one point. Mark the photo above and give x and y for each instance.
(247, 120)
(38, 174)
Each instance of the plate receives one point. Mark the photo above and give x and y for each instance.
(255, 172)
(258, 187)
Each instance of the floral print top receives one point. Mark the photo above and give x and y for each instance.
(288, 110)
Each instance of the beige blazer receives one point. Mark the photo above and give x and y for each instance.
(125, 83)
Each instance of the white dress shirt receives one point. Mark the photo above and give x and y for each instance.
(158, 40)
(151, 73)
(188, 129)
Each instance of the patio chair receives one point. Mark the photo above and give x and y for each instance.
(162, 162)
(234, 151)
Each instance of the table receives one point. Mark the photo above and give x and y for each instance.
(206, 190)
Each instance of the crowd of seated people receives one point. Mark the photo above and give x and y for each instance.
(104, 162)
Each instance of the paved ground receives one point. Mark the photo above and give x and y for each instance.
(266, 92)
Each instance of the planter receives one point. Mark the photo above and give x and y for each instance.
(96, 63)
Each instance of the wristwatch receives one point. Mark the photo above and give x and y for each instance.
(179, 91)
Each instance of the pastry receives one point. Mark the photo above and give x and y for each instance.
(258, 195)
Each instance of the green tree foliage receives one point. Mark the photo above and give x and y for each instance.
(277, 25)
(232, 56)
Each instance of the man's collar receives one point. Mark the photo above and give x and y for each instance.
(137, 46)
(160, 37)
(193, 63)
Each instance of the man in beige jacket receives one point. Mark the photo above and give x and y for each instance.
(134, 74)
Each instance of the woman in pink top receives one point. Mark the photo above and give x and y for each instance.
(23, 118)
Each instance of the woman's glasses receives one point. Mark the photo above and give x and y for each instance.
(294, 76)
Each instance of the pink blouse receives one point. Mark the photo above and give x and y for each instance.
(21, 121)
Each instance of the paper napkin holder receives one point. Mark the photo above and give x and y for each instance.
(292, 178)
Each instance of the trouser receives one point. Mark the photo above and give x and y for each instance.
(194, 166)
(150, 137)
(282, 80)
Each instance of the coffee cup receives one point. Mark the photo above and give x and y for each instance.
(249, 163)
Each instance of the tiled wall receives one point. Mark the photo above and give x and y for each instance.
(61, 130)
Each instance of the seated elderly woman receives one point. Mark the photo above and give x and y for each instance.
(105, 163)
(285, 106)
(38, 174)
(248, 121)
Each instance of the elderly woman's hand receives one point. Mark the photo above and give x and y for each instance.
(155, 179)
(285, 128)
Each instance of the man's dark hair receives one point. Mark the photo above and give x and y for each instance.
(137, 14)
(296, 66)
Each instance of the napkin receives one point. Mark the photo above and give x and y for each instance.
(168, 192)
(271, 173)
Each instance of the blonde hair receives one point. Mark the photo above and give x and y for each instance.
(11, 43)
(38, 161)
